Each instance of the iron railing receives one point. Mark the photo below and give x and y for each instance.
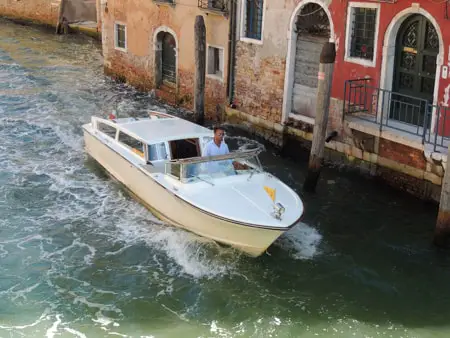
(405, 113)
(214, 5)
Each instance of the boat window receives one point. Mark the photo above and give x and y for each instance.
(157, 152)
(107, 129)
(205, 141)
(184, 148)
(135, 145)
(208, 170)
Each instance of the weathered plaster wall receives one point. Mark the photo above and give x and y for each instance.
(137, 64)
(399, 165)
(80, 10)
(39, 11)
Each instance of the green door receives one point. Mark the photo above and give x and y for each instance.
(417, 48)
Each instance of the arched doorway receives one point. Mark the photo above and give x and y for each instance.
(313, 30)
(414, 75)
(165, 59)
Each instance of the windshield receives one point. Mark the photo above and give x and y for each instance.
(208, 168)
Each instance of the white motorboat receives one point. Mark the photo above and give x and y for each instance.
(229, 198)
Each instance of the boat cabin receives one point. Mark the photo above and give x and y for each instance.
(161, 137)
(164, 142)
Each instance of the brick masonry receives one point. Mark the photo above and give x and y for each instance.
(259, 83)
(402, 154)
(38, 11)
(136, 66)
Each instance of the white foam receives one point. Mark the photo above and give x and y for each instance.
(54, 328)
(302, 242)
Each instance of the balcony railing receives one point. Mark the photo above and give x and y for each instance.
(391, 110)
(214, 5)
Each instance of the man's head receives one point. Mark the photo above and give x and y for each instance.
(218, 134)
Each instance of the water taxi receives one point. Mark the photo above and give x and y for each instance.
(227, 198)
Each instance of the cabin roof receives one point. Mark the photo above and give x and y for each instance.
(164, 129)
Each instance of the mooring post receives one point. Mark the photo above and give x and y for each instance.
(59, 24)
(200, 69)
(442, 231)
(325, 77)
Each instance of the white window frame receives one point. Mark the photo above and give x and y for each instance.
(348, 35)
(116, 24)
(221, 63)
(243, 24)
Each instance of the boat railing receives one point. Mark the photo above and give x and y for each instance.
(229, 164)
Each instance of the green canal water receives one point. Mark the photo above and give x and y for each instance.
(79, 258)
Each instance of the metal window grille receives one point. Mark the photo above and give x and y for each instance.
(254, 14)
(217, 5)
(363, 33)
(121, 36)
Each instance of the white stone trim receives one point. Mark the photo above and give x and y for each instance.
(388, 57)
(222, 63)
(290, 56)
(348, 34)
(117, 23)
(302, 118)
(242, 36)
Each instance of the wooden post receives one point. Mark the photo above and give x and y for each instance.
(200, 69)
(59, 24)
(325, 77)
(442, 231)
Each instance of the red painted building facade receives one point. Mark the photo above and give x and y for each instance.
(391, 81)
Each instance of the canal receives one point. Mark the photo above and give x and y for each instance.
(80, 258)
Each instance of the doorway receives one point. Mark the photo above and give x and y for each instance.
(166, 59)
(416, 52)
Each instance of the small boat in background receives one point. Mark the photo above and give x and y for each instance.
(227, 198)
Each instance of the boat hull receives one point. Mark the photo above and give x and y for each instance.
(253, 240)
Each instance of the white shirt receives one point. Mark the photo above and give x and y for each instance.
(211, 149)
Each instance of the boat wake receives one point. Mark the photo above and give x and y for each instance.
(301, 242)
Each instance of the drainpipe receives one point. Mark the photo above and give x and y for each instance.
(231, 51)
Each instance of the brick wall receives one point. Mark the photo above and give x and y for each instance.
(402, 154)
(259, 83)
(131, 69)
(40, 11)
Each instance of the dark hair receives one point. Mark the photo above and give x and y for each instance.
(218, 128)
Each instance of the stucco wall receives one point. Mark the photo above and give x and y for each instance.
(40, 11)
(137, 64)
(80, 10)
(265, 87)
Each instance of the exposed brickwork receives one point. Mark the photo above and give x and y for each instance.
(136, 66)
(259, 83)
(132, 70)
(402, 154)
(39, 11)
(403, 182)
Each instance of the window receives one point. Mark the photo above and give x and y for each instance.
(157, 152)
(120, 33)
(362, 23)
(252, 15)
(135, 145)
(107, 129)
(217, 5)
(215, 61)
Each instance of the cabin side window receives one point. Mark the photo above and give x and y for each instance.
(185, 148)
(135, 145)
(107, 129)
(157, 152)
